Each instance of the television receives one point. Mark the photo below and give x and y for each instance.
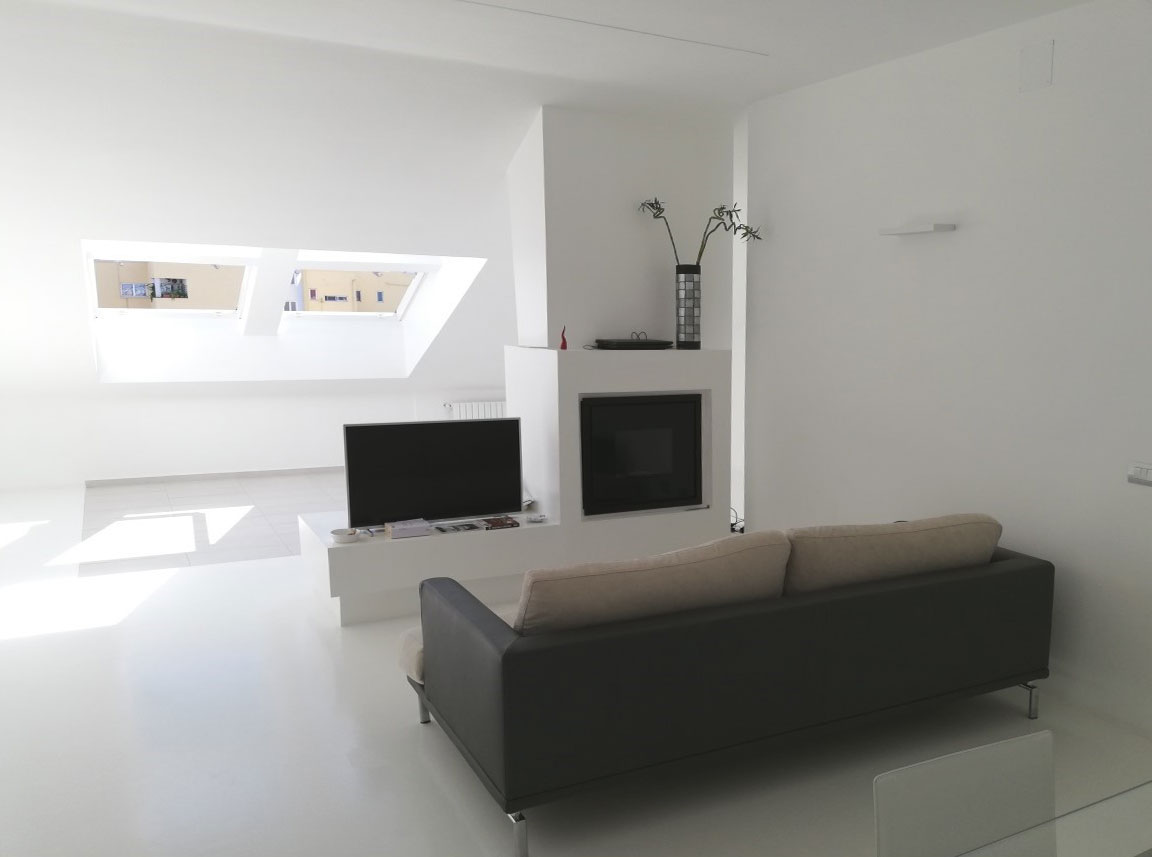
(432, 470)
(640, 452)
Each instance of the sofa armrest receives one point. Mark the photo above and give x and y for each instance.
(464, 644)
(1003, 554)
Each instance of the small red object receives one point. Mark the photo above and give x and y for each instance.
(563, 339)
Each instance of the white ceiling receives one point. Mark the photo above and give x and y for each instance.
(757, 47)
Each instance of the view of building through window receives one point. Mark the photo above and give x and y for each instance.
(167, 285)
(350, 291)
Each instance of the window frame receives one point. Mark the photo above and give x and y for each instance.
(250, 259)
(420, 270)
(187, 254)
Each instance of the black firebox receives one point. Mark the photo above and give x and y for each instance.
(640, 452)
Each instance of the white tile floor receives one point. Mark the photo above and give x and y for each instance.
(198, 521)
(222, 711)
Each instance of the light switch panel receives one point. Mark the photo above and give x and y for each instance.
(1140, 474)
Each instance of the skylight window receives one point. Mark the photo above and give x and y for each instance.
(123, 284)
(168, 312)
(370, 292)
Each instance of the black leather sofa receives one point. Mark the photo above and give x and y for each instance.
(540, 716)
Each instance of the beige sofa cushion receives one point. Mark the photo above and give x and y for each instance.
(726, 571)
(824, 557)
(412, 654)
(412, 645)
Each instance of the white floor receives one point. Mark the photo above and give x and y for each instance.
(220, 710)
(200, 520)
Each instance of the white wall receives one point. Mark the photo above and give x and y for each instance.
(254, 141)
(243, 145)
(132, 349)
(528, 219)
(611, 270)
(739, 299)
(1001, 368)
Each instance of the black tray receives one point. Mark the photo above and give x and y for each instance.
(633, 344)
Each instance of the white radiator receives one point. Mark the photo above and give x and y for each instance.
(475, 410)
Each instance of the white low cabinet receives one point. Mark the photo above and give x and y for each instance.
(379, 578)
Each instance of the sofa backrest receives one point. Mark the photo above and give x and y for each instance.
(587, 704)
(727, 571)
(826, 557)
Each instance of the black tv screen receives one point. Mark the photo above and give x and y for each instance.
(433, 470)
(640, 452)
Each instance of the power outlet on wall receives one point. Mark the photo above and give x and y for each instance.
(1140, 474)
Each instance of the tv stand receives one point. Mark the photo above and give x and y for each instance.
(377, 577)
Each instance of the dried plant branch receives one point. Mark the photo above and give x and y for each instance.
(726, 217)
(656, 208)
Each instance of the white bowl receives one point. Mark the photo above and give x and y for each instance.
(345, 536)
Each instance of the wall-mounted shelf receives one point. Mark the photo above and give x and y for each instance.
(918, 228)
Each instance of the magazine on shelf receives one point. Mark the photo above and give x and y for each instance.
(459, 528)
(500, 522)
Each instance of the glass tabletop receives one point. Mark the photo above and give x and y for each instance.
(1117, 826)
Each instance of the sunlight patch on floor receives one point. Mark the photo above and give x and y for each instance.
(137, 537)
(74, 604)
(154, 534)
(220, 521)
(12, 532)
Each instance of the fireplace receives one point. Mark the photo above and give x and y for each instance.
(640, 452)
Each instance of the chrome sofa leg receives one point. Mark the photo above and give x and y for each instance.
(1033, 700)
(424, 717)
(519, 834)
